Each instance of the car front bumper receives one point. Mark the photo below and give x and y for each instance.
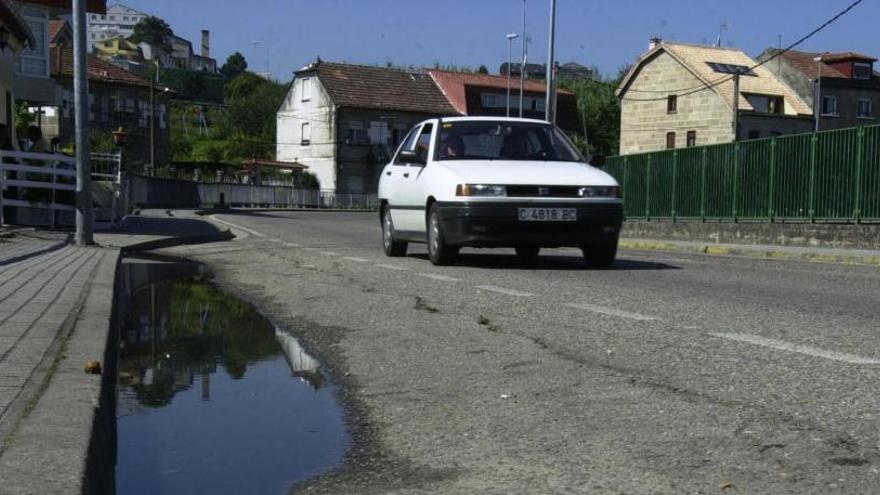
(497, 224)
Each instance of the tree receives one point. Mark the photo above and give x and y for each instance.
(599, 114)
(152, 30)
(482, 70)
(235, 65)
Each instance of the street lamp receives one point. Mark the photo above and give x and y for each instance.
(510, 38)
(260, 42)
(817, 105)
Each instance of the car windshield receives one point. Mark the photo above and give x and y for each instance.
(504, 140)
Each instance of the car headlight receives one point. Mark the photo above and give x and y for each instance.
(599, 192)
(480, 190)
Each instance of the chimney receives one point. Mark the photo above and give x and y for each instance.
(206, 43)
(654, 42)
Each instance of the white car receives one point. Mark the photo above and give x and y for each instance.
(496, 182)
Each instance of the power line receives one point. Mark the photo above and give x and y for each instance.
(779, 53)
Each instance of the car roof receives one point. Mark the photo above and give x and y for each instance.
(488, 119)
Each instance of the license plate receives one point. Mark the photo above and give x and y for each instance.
(547, 215)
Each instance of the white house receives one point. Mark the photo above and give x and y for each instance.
(345, 120)
(119, 20)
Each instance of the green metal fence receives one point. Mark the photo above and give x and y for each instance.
(830, 176)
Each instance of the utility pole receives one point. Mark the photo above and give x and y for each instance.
(817, 105)
(736, 106)
(510, 38)
(549, 110)
(153, 82)
(522, 67)
(84, 218)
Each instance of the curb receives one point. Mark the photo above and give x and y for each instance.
(223, 235)
(753, 252)
(214, 211)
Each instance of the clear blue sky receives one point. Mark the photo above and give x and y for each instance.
(607, 33)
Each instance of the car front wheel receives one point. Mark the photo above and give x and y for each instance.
(438, 251)
(392, 246)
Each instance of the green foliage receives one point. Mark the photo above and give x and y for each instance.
(599, 115)
(482, 70)
(23, 118)
(152, 30)
(235, 65)
(310, 181)
(244, 128)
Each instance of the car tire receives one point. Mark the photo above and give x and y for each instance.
(392, 246)
(439, 252)
(599, 255)
(527, 254)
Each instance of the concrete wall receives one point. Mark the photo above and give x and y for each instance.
(848, 93)
(772, 125)
(644, 124)
(783, 234)
(318, 111)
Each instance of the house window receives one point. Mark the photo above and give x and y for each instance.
(829, 106)
(112, 17)
(670, 140)
(731, 69)
(491, 100)
(766, 104)
(691, 139)
(94, 17)
(306, 89)
(306, 134)
(34, 61)
(672, 104)
(861, 70)
(378, 132)
(355, 134)
(866, 108)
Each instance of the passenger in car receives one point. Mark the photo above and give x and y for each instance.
(514, 146)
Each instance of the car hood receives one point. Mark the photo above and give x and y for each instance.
(527, 173)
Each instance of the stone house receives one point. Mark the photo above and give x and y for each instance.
(847, 84)
(678, 95)
(15, 36)
(345, 121)
(483, 94)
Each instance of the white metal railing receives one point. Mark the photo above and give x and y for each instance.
(22, 171)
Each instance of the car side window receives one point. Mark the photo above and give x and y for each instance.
(407, 144)
(424, 142)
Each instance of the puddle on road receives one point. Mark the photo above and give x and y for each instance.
(211, 397)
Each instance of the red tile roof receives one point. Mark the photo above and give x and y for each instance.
(361, 86)
(9, 17)
(55, 27)
(93, 6)
(841, 56)
(453, 85)
(804, 62)
(98, 70)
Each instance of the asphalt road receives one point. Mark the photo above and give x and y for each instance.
(668, 373)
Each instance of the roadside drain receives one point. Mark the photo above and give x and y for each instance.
(211, 397)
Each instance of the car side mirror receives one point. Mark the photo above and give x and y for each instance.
(411, 156)
(597, 161)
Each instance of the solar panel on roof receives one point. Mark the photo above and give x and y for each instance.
(731, 69)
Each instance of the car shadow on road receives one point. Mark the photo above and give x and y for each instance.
(573, 263)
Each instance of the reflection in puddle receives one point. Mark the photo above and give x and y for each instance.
(206, 403)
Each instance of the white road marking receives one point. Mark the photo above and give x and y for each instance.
(392, 267)
(611, 312)
(291, 244)
(329, 253)
(355, 258)
(442, 278)
(277, 241)
(798, 348)
(239, 227)
(502, 290)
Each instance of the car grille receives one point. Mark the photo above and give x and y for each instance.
(543, 191)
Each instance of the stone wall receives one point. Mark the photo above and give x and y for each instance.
(644, 124)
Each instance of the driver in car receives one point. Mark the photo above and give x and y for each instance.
(453, 146)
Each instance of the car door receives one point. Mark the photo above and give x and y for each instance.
(413, 192)
(395, 179)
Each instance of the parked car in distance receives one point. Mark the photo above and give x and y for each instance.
(496, 182)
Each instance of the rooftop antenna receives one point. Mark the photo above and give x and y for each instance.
(723, 27)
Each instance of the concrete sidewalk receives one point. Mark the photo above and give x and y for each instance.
(56, 314)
